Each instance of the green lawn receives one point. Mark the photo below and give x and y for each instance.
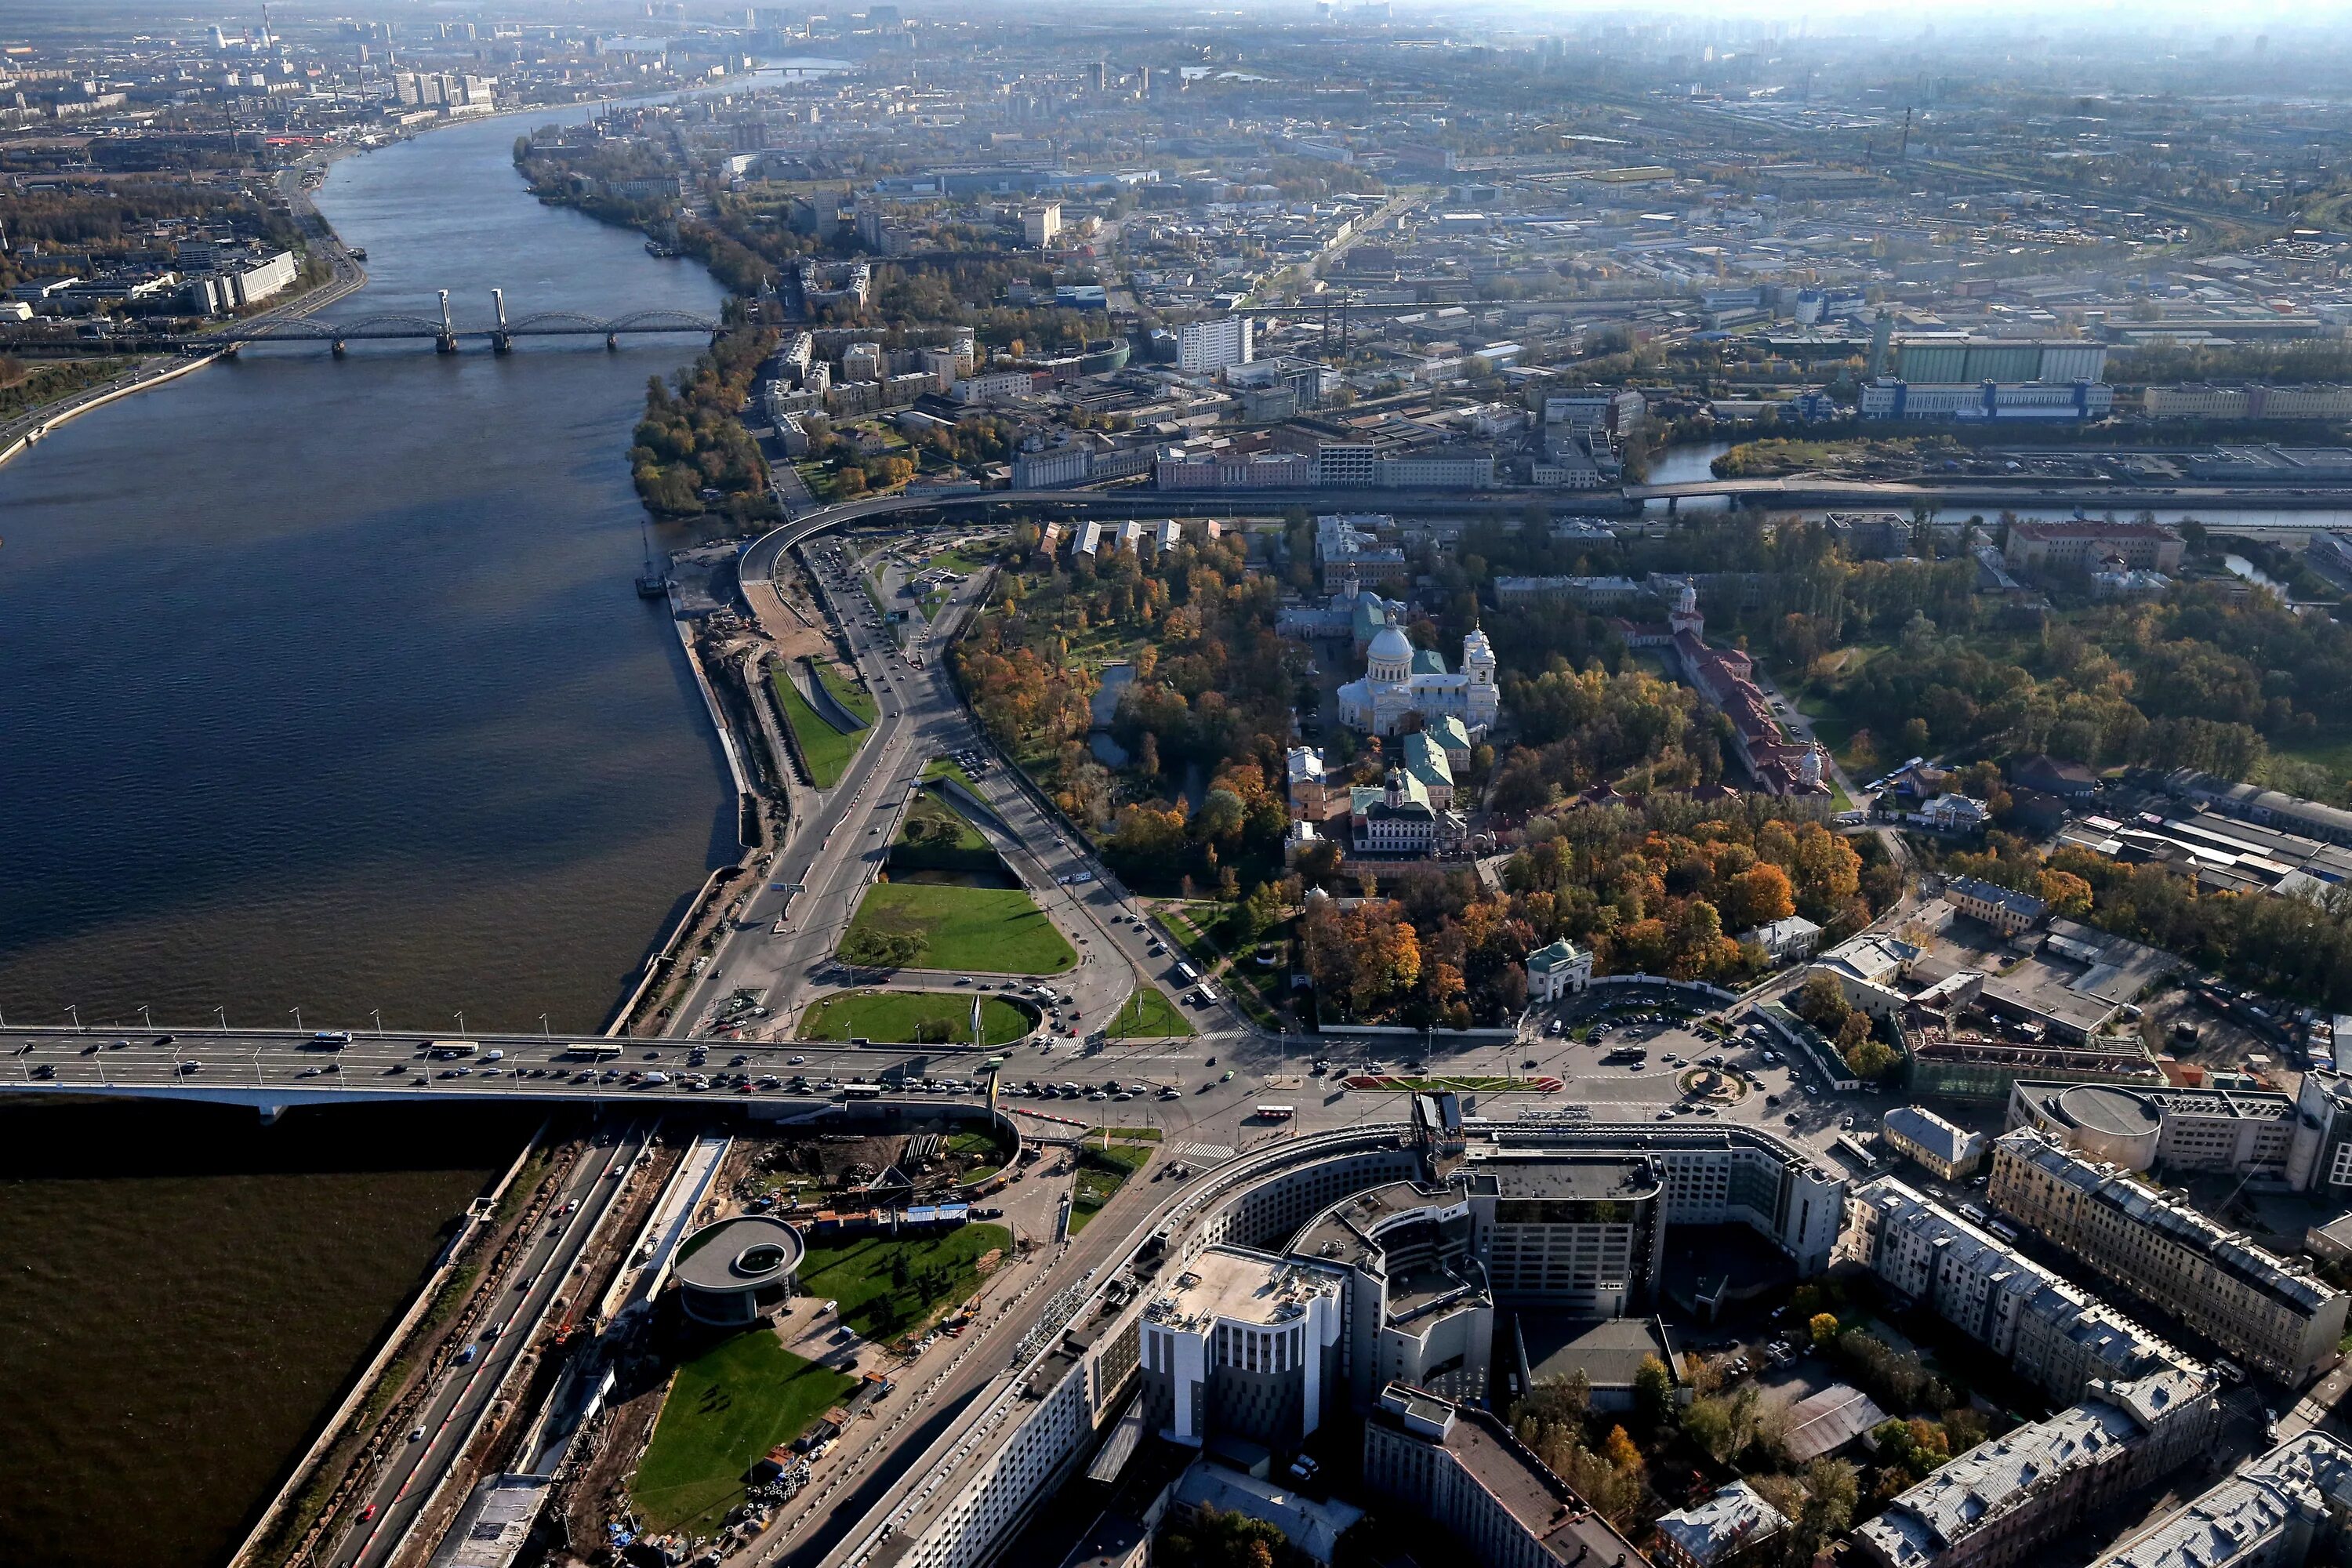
(949, 768)
(887, 1287)
(2327, 748)
(942, 825)
(956, 561)
(1192, 925)
(985, 931)
(1147, 1014)
(849, 693)
(1102, 1171)
(899, 1018)
(726, 1408)
(826, 750)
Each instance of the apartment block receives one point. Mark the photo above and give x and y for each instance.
(1460, 1466)
(2000, 1501)
(2144, 546)
(2278, 1509)
(2280, 1320)
(2056, 1334)
(1205, 347)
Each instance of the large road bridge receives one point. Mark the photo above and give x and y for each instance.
(445, 333)
(276, 1071)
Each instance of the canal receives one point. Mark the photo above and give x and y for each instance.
(328, 689)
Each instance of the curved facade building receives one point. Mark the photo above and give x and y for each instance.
(730, 1272)
(1418, 1309)
(1285, 1289)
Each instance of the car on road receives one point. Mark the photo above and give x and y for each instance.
(417, 1433)
(184, 1068)
(1227, 1076)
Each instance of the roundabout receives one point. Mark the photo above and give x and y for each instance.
(1711, 1086)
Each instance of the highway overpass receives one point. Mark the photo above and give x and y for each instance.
(274, 1071)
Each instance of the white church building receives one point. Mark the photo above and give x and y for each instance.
(1400, 681)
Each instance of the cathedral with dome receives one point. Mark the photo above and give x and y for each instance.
(1400, 681)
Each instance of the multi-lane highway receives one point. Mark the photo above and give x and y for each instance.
(780, 947)
(537, 1287)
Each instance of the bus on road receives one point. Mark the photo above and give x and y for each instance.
(593, 1051)
(1624, 1054)
(1186, 974)
(862, 1092)
(1275, 1112)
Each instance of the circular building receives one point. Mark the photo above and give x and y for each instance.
(730, 1272)
(2106, 1122)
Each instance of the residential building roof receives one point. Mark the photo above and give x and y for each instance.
(2183, 1226)
(1781, 933)
(2023, 904)
(1734, 1518)
(2239, 1518)
(1931, 1133)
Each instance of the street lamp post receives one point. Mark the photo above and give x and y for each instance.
(221, 1013)
(377, 1014)
(73, 1011)
(461, 1020)
(542, 1027)
(146, 1019)
(298, 1018)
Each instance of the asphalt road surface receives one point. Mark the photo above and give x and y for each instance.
(539, 1276)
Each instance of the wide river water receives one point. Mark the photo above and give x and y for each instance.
(326, 686)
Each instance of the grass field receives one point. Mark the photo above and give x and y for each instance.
(826, 750)
(849, 693)
(1102, 1171)
(887, 1287)
(1148, 1013)
(949, 768)
(987, 930)
(727, 1407)
(899, 1016)
(2328, 748)
(941, 824)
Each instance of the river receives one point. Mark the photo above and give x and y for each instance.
(329, 689)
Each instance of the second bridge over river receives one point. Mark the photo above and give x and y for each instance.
(446, 334)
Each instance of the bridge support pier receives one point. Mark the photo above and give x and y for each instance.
(447, 343)
(340, 350)
(1671, 505)
(612, 343)
(501, 343)
(270, 1113)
